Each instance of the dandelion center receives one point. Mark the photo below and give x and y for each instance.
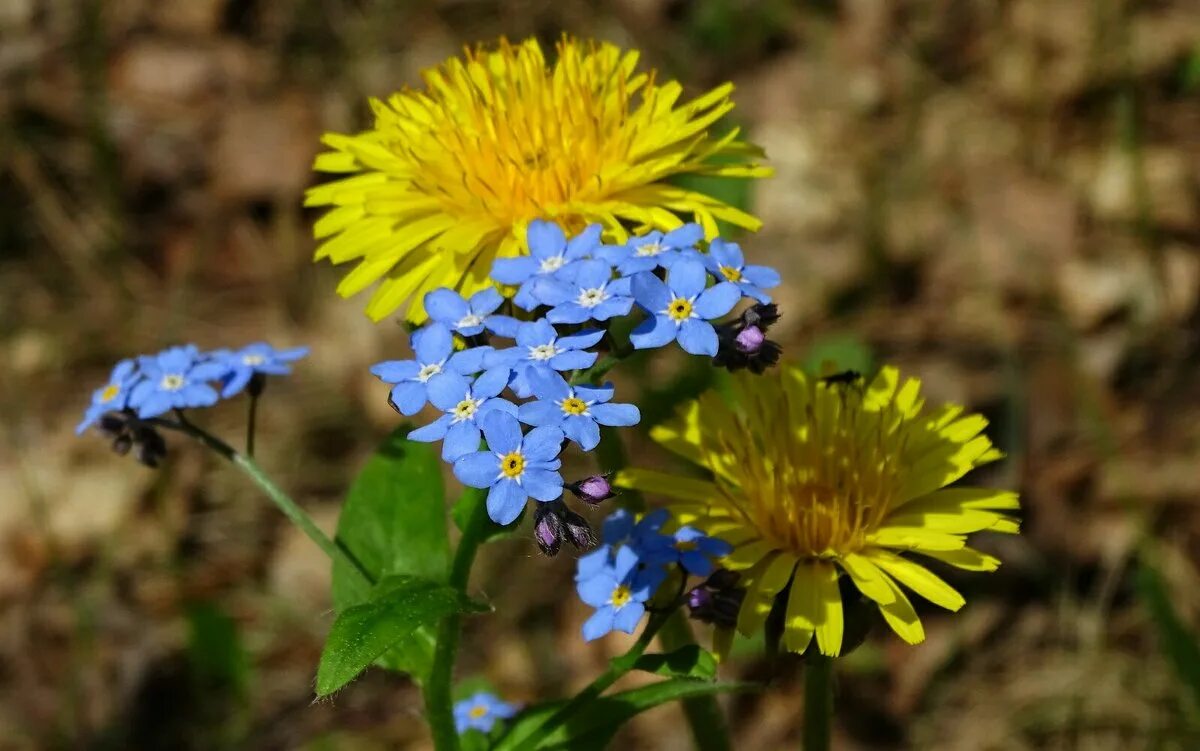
(649, 250)
(466, 409)
(512, 465)
(469, 320)
(109, 393)
(478, 711)
(542, 352)
(590, 298)
(172, 382)
(574, 406)
(621, 596)
(731, 273)
(429, 371)
(679, 310)
(449, 176)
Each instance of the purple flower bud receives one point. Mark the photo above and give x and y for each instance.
(750, 339)
(548, 529)
(579, 533)
(699, 598)
(592, 490)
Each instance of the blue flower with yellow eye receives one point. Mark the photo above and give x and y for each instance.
(680, 309)
(480, 712)
(113, 396)
(578, 411)
(619, 599)
(433, 346)
(696, 550)
(726, 262)
(463, 404)
(176, 378)
(514, 467)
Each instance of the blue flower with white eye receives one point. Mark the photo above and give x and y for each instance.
(696, 550)
(469, 317)
(540, 351)
(681, 308)
(435, 357)
(725, 261)
(584, 293)
(260, 357)
(578, 412)
(514, 467)
(550, 254)
(463, 403)
(176, 378)
(112, 397)
(480, 712)
(615, 593)
(651, 250)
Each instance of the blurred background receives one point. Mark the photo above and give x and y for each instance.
(998, 195)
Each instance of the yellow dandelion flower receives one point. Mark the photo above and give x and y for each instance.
(812, 479)
(448, 178)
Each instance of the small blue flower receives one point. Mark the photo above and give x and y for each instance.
(578, 412)
(725, 261)
(112, 397)
(260, 357)
(514, 467)
(464, 403)
(540, 351)
(550, 254)
(696, 550)
(435, 357)
(681, 308)
(480, 712)
(176, 378)
(643, 535)
(618, 598)
(651, 250)
(470, 317)
(584, 293)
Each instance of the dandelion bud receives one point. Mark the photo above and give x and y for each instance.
(548, 529)
(592, 490)
(579, 533)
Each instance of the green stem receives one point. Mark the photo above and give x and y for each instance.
(818, 702)
(251, 419)
(439, 703)
(617, 667)
(703, 714)
(281, 499)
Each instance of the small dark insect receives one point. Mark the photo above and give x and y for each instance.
(845, 378)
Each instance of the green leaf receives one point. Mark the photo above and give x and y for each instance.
(394, 522)
(689, 661)
(1181, 646)
(845, 352)
(595, 727)
(215, 650)
(398, 605)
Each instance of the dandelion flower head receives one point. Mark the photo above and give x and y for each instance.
(448, 177)
(813, 479)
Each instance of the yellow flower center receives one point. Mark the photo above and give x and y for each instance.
(542, 352)
(648, 250)
(172, 382)
(478, 711)
(731, 274)
(574, 406)
(429, 371)
(679, 310)
(512, 465)
(109, 393)
(620, 596)
(590, 298)
(466, 409)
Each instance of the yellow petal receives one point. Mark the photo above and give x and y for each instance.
(900, 615)
(915, 538)
(672, 486)
(830, 625)
(918, 578)
(867, 577)
(803, 609)
(967, 559)
(767, 580)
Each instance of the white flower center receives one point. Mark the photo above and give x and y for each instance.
(552, 264)
(648, 250)
(543, 351)
(253, 360)
(470, 319)
(590, 298)
(429, 371)
(466, 409)
(172, 382)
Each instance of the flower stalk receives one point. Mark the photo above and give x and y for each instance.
(818, 702)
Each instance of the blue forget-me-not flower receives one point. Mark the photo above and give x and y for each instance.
(176, 378)
(260, 357)
(587, 292)
(113, 396)
(550, 254)
(435, 357)
(681, 308)
(696, 550)
(514, 467)
(651, 250)
(463, 403)
(578, 411)
(617, 595)
(469, 317)
(480, 712)
(725, 261)
(541, 351)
